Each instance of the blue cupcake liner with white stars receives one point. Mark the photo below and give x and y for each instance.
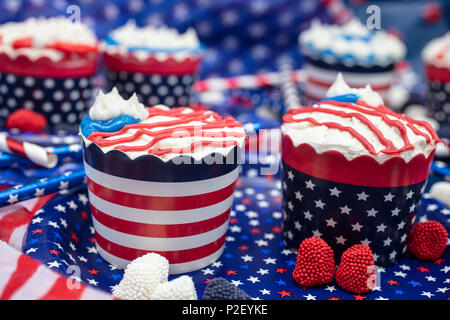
(344, 214)
(255, 258)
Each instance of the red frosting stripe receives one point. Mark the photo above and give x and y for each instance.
(160, 230)
(160, 203)
(151, 65)
(178, 129)
(361, 113)
(179, 256)
(362, 171)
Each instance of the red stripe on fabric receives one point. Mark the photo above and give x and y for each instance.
(160, 203)
(25, 269)
(323, 84)
(60, 291)
(180, 256)
(11, 221)
(159, 230)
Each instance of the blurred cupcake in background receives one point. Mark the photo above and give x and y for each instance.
(436, 57)
(363, 56)
(46, 65)
(158, 64)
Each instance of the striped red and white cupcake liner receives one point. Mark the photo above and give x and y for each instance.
(180, 211)
(319, 79)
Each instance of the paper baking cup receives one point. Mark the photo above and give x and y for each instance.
(59, 92)
(438, 98)
(321, 75)
(179, 211)
(167, 82)
(350, 202)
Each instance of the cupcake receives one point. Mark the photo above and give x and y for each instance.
(353, 171)
(47, 65)
(361, 55)
(158, 64)
(436, 57)
(160, 180)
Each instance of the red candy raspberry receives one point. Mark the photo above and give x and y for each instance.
(428, 240)
(356, 272)
(26, 120)
(315, 263)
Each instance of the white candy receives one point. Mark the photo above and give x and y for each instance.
(441, 191)
(142, 276)
(181, 288)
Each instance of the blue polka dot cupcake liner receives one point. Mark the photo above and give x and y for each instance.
(63, 101)
(172, 90)
(438, 103)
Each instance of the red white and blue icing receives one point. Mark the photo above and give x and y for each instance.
(158, 130)
(355, 122)
(351, 44)
(50, 38)
(149, 40)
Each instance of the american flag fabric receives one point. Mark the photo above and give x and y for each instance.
(179, 210)
(15, 219)
(255, 258)
(23, 278)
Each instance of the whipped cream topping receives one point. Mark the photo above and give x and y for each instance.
(364, 127)
(111, 105)
(351, 44)
(130, 36)
(168, 133)
(340, 87)
(437, 52)
(43, 32)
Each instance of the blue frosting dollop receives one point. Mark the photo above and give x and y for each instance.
(88, 125)
(349, 97)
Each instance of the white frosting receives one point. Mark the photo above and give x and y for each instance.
(44, 31)
(339, 87)
(437, 52)
(111, 105)
(177, 142)
(350, 44)
(150, 37)
(322, 138)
